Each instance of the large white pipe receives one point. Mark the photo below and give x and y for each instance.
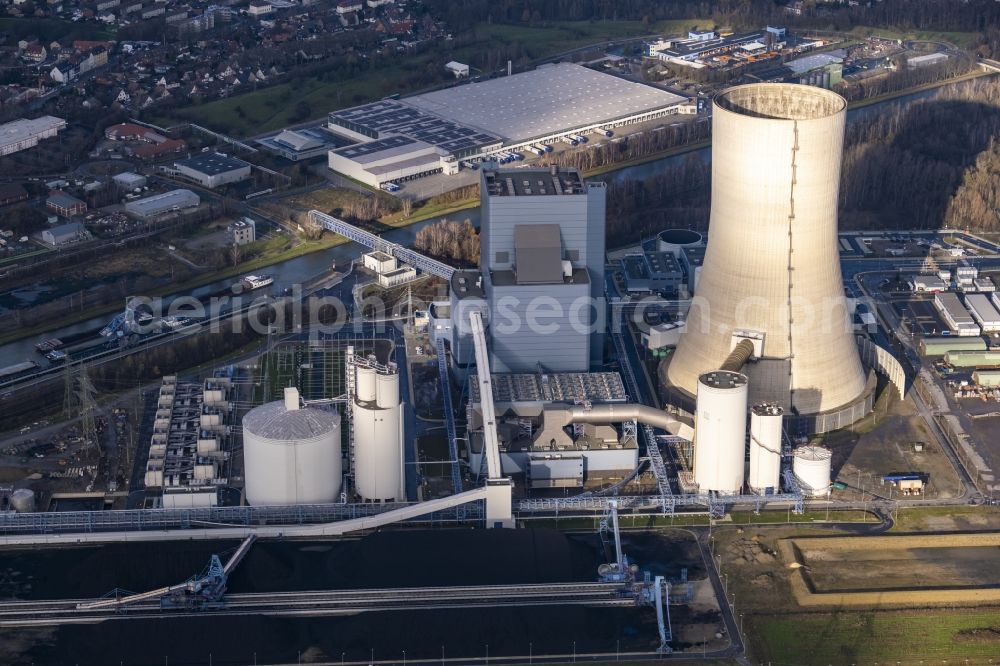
(619, 413)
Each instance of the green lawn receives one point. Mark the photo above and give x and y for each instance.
(270, 108)
(960, 39)
(906, 637)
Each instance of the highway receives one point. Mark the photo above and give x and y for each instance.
(330, 602)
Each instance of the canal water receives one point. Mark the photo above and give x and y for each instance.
(383, 560)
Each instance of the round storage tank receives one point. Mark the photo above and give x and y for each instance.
(720, 431)
(675, 240)
(22, 500)
(812, 465)
(378, 453)
(366, 384)
(291, 456)
(765, 449)
(387, 390)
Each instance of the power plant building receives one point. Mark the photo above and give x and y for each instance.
(771, 272)
(542, 261)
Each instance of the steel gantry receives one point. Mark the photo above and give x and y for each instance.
(449, 416)
(368, 239)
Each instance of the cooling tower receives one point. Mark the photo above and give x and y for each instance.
(771, 267)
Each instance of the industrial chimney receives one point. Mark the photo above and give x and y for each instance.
(771, 272)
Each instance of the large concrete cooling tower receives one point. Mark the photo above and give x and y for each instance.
(771, 270)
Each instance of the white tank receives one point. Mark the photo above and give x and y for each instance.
(811, 465)
(675, 240)
(366, 384)
(22, 500)
(378, 439)
(387, 390)
(720, 431)
(291, 456)
(765, 449)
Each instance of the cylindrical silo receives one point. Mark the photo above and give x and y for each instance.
(378, 439)
(22, 500)
(366, 384)
(765, 449)
(772, 261)
(720, 431)
(291, 455)
(812, 467)
(675, 240)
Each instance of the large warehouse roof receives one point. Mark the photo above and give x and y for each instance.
(545, 101)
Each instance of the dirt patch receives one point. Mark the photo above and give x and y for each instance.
(986, 635)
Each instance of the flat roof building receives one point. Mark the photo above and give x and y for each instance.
(927, 283)
(302, 144)
(24, 133)
(955, 315)
(213, 170)
(129, 180)
(503, 114)
(160, 204)
(983, 312)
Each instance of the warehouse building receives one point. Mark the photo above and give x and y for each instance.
(64, 204)
(161, 204)
(475, 120)
(129, 181)
(939, 346)
(927, 283)
(23, 134)
(973, 359)
(64, 234)
(983, 312)
(955, 315)
(302, 144)
(213, 170)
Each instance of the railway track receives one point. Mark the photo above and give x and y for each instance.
(327, 602)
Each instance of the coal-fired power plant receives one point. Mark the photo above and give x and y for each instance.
(771, 272)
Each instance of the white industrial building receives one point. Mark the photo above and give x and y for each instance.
(213, 170)
(129, 181)
(23, 134)
(379, 262)
(983, 312)
(927, 283)
(955, 315)
(457, 68)
(396, 277)
(478, 119)
(160, 204)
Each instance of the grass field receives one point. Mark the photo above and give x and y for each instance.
(269, 109)
(961, 39)
(905, 637)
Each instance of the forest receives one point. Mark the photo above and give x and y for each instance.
(454, 242)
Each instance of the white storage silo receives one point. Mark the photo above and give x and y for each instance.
(22, 500)
(812, 466)
(765, 449)
(378, 437)
(720, 431)
(675, 240)
(366, 384)
(291, 455)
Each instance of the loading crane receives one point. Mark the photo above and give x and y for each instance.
(205, 590)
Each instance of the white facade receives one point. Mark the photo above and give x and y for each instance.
(399, 276)
(291, 455)
(23, 134)
(772, 241)
(927, 283)
(983, 311)
(812, 466)
(379, 261)
(720, 432)
(457, 68)
(378, 435)
(765, 449)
